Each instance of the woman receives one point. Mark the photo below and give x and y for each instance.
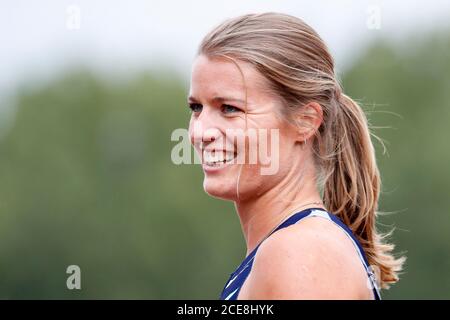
(309, 222)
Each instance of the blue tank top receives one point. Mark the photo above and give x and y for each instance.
(237, 278)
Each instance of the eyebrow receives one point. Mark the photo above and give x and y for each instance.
(217, 99)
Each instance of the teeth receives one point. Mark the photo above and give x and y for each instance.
(217, 157)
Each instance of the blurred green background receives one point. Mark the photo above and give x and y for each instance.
(86, 178)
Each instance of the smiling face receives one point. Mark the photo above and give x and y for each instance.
(219, 113)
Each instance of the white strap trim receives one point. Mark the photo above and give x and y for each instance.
(231, 294)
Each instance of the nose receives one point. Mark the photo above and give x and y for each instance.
(204, 131)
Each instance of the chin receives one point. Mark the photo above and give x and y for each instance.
(220, 189)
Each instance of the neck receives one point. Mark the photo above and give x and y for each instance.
(260, 215)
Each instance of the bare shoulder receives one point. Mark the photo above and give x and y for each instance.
(313, 259)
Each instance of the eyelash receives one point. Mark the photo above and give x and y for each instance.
(193, 107)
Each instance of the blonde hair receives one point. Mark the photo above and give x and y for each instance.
(300, 69)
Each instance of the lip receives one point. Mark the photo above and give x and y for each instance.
(210, 169)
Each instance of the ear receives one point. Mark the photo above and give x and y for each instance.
(308, 120)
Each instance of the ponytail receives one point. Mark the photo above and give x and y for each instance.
(352, 187)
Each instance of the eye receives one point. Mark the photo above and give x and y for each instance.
(195, 107)
(226, 108)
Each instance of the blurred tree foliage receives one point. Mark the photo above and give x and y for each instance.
(407, 88)
(86, 178)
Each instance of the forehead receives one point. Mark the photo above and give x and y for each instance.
(221, 76)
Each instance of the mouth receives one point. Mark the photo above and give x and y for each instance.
(218, 159)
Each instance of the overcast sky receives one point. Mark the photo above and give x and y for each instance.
(41, 38)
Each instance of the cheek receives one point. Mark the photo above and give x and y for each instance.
(275, 157)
